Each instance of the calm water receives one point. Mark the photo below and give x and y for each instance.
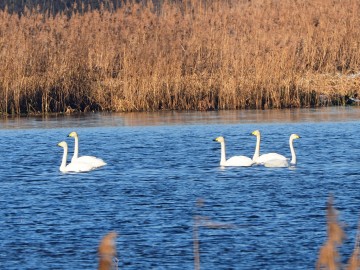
(159, 165)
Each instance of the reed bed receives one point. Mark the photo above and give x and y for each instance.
(188, 55)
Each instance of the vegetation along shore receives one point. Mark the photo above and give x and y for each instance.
(180, 55)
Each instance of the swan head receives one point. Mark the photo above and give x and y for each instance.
(256, 133)
(62, 144)
(294, 136)
(220, 139)
(73, 134)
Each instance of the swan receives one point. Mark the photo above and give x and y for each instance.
(94, 161)
(284, 163)
(265, 157)
(242, 161)
(74, 166)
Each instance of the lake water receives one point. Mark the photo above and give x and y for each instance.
(159, 166)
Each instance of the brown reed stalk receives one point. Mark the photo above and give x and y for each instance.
(328, 256)
(180, 55)
(107, 251)
(354, 261)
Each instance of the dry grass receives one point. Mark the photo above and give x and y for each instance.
(195, 55)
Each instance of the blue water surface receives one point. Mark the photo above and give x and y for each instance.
(159, 166)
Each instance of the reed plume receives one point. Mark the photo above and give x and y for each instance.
(328, 255)
(107, 251)
(354, 261)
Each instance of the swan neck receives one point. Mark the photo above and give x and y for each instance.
(223, 154)
(63, 162)
(76, 148)
(257, 148)
(293, 154)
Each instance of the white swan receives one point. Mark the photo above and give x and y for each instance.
(265, 157)
(74, 166)
(94, 161)
(242, 161)
(284, 163)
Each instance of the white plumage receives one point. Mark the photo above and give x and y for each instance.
(240, 161)
(93, 161)
(265, 157)
(279, 163)
(74, 166)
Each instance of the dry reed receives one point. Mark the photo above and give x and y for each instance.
(329, 257)
(183, 55)
(107, 251)
(354, 261)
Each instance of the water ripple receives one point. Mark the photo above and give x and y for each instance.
(148, 192)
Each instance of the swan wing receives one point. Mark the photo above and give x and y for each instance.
(270, 156)
(239, 161)
(91, 160)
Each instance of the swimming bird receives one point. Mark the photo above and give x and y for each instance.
(265, 157)
(74, 166)
(241, 161)
(94, 161)
(279, 163)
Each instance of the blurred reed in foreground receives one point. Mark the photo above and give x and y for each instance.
(200, 221)
(329, 258)
(183, 55)
(107, 252)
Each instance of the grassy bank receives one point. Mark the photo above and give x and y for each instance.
(198, 55)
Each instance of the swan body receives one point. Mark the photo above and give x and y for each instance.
(94, 161)
(74, 166)
(280, 163)
(239, 161)
(265, 157)
(276, 163)
(269, 156)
